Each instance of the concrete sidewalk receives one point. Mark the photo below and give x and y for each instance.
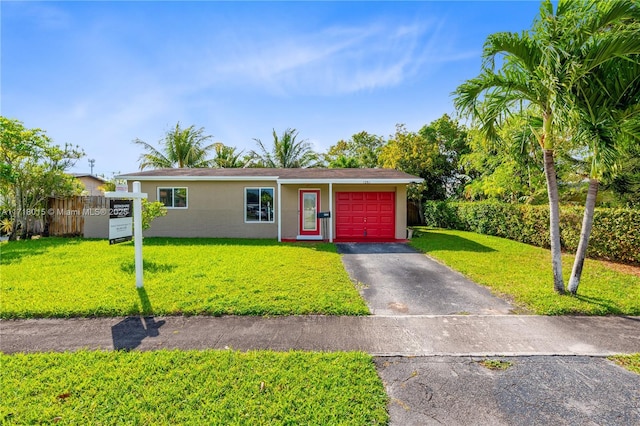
(429, 365)
(454, 335)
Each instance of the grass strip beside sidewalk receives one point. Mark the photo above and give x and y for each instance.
(522, 273)
(57, 277)
(191, 388)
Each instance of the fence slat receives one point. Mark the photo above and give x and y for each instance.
(65, 216)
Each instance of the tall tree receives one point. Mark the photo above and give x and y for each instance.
(32, 170)
(286, 152)
(452, 141)
(227, 157)
(431, 153)
(344, 162)
(361, 150)
(507, 168)
(607, 108)
(539, 69)
(180, 148)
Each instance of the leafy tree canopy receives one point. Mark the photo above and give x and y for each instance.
(433, 153)
(33, 169)
(361, 150)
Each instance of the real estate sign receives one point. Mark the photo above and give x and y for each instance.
(120, 221)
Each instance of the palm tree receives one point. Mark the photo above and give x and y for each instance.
(226, 157)
(539, 69)
(608, 113)
(181, 148)
(286, 152)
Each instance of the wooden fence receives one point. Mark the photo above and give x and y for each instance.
(65, 216)
(413, 213)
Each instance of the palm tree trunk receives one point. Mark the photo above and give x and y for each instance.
(554, 220)
(587, 224)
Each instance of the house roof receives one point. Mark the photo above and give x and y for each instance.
(87, 175)
(283, 175)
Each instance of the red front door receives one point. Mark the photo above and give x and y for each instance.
(365, 215)
(309, 206)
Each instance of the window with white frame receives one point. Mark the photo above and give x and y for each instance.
(258, 205)
(173, 198)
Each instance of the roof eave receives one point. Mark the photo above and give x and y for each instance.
(197, 178)
(353, 181)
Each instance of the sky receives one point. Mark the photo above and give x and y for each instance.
(99, 74)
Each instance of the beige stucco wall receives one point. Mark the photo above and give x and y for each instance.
(216, 209)
(91, 185)
(291, 207)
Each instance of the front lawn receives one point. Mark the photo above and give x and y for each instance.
(191, 388)
(523, 273)
(56, 277)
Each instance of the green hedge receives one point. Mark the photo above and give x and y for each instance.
(615, 234)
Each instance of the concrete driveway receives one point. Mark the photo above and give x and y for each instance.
(394, 279)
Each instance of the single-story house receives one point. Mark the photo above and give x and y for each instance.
(287, 204)
(91, 183)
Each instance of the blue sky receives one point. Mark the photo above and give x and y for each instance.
(100, 74)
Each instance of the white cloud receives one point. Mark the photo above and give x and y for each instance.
(335, 60)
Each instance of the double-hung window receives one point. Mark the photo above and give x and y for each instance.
(258, 205)
(173, 198)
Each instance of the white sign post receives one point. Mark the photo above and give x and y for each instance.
(137, 197)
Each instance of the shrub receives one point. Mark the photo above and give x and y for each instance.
(150, 211)
(614, 236)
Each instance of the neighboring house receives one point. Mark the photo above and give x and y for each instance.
(91, 183)
(287, 204)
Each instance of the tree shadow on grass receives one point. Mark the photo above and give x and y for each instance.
(14, 251)
(428, 241)
(608, 307)
(129, 333)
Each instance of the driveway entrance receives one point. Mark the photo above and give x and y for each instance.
(394, 279)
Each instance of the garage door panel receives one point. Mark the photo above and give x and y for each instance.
(365, 215)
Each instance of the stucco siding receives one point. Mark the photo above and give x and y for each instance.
(214, 209)
(217, 209)
(291, 207)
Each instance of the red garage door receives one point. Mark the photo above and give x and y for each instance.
(365, 215)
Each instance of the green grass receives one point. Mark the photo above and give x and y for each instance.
(523, 274)
(55, 277)
(630, 362)
(191, 388)
(495, 364)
